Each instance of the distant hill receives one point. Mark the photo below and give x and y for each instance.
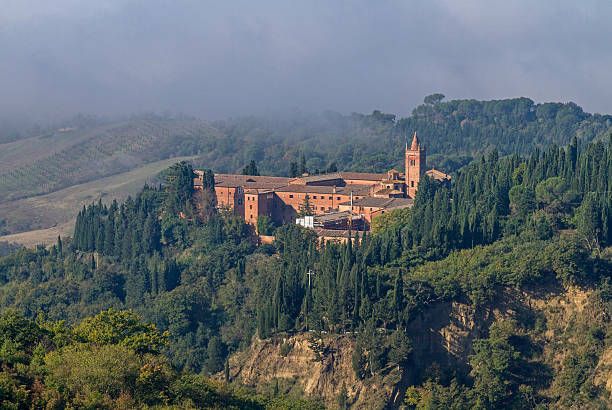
(453, 132)
(40, 219)
(85, 149)
(72, 155)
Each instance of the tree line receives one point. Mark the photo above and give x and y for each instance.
(172, 257)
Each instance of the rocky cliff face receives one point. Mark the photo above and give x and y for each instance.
(443, 334)
(291, 363)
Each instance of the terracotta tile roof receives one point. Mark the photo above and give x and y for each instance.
(386, 203)
(319, 178)
(366, 176)
(256, 191)
(384, 191)
(249, 181)
(335, 216)
(323, 189)
(415, 143)
(437, 175)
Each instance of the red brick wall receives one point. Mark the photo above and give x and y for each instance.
(368, 212)
(414, 172)
(231, 198)
(320, 203)
(280, 206)
(251, 208)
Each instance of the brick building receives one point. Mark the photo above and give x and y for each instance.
(367, 194)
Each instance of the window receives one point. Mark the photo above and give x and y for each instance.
(322, 208)
(239, 201)
(338, 198)
(331, 197)
(314, 197)
(290, 196)
(251, 216)
(412, 184)
(411, 162)
(250, 206)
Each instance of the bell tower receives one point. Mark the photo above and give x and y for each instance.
(415, 165)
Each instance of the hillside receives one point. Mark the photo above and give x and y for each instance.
(454, 132)
(547, 324)
(72, 155)
(40, 219)
(491, 292)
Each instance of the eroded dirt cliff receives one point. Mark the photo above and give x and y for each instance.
(443, 334)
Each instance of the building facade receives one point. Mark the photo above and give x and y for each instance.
(282, 199)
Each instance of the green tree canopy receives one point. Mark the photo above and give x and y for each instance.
(122, 327)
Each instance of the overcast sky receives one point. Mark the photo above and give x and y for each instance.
(228, 58)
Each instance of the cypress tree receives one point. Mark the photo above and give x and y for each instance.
(60, 248)
(398, 294)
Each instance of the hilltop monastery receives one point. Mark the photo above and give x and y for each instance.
(332, 197)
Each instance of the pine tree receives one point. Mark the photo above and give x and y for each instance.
(150, 234)
(216, 353)
(332, 167)
(60, 248)
(250, 169)
(293, 169)
(109, 233)
(302, 167)
(398, 294)
(305, 208)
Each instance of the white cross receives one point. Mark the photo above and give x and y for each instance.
(309, 273)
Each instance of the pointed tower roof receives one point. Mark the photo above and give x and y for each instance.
(415, 143)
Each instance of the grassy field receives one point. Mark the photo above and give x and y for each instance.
(62, 158)
(41, 218)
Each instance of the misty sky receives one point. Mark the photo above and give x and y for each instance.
(228, 58)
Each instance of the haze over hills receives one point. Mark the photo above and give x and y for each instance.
(492, 291)
(41, 218)
(421, 251)
(72, 155)
(454, 133)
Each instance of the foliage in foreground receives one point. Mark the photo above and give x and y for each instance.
(108, 361)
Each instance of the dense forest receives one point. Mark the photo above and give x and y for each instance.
(112, 360)
(454, 133)
(193, 288)
(168, 255)
(43, 160)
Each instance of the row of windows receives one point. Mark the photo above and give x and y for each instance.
(252, 198)
(323, 197)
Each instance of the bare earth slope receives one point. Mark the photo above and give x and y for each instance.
(442, 334)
